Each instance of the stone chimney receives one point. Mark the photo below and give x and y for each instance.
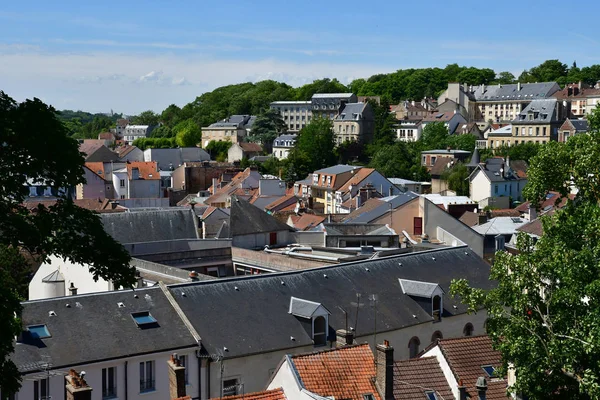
(481, 386)
(344, 338)
(532, 212)
(77, 387)
(385, 370)
(366, 192)
(72, 290)
(176, 378)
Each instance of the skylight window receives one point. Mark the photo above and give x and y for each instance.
(39, 331)
(143, 318)
(368, 396)
(431, 396)
(489, 370)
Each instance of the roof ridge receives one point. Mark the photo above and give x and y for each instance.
(324, 351)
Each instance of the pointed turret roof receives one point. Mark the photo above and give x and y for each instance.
(474, 159)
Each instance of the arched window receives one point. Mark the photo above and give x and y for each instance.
(437, 308)
(437, 335)
(320, 331)
(468, 329)
(413, 346)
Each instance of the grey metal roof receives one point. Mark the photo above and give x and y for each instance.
(500, 226)
(55, 276)
(173, 158)
(351, 112)
(304, 308)
(580, 125)
(528, 91)
(542, 111)
(337, 169)
(262, 301)
(150, 226)
(281, 140)
(418, 288)
(445, 151)
(492, 169)
(246, 219)
(402, 182)
(93, 328)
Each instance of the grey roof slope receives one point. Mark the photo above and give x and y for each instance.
(351, 112)
(262, 301)
(544, 112)
(580, 125)
(372, 214)
(528, 91)
(95, 328)
(167, 158)
(492, 168)
(349, 229)
(150, 226)
(246, 219)
(337, 169)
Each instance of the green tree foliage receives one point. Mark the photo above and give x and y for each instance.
(457, 179)
(162, 131)
(351, 152)
(384, 132)
(325, 85)
(31, 131)
(267, 126)
(155, 143)
(399, 160)
(146, 118)
(187, 133)
(171, 116)
(505, 78)
(83, 125)
(548, 71)
(543, 315)
(316, 140)
(218, 150)
(523, 151)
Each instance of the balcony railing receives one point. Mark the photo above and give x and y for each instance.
(147, 385)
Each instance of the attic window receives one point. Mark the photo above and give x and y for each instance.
(318, 315)
(143, 318)
(368, 396)
(39, 331)
(489, 370)
(431, 396)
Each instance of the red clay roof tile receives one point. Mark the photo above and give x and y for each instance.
(274, 394)
(414, 377)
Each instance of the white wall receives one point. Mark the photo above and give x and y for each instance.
(284, 378)
(445, 367)
(93, 376)
(479, 187)
(120, 191)
(77, 274)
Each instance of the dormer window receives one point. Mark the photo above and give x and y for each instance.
(317, 313)
(425, 290)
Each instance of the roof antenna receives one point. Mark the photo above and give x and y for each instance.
(374, 299)
(345, 316)
(357, 307)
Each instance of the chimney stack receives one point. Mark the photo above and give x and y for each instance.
(532, 212)
(72, 290)
(139, 279)
(518, 86)
(462, 390)
(385, 370)
(214, 185)
(193, 276)
(481, 386)
(77, 387)
(176, 378)
(344, 338)
(482, 218)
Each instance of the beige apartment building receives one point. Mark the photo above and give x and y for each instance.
(537, 123)
(295, 114)
(233, 129)
(355, 123)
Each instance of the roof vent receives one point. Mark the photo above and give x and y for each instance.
(68, 305)
(225, 349)
(325, 276)
(237, 288)
(282, 283)
(52, 314)
(120, 305)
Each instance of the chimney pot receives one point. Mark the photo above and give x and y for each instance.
(193, 276)
(176, 378)
(72, 289)
(76, 387)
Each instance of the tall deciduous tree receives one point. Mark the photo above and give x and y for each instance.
(187, 133)
(267, 126)
(35, 147)
(543, 316)
(146, 118)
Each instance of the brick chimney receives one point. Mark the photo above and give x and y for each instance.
(385, 370)
(77, 387)
(176, 378)
(72, 289)
(344, 338)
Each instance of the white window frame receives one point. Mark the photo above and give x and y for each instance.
(147, 374)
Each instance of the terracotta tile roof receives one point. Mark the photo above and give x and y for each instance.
(148, 169)
(99, 205)
(106, 136)
(343, 373)
(414, 377)
(357, 178)
(469, 218)
(274, 394)
(251, 147)
(439, 116)
(440, 165)
(89, 146)
(466, 357)
(520, 168)
(122, 151)
(551, 198)
(505, 212)
(369, 205)
(308, 221)
(282, 202)
(97, 168)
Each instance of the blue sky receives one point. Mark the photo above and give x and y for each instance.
(134, 55)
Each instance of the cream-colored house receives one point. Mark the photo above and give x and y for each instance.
(537, 123)
(355, 123)
(233, 129)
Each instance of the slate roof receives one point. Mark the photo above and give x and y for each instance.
(342, 373)
(544, 111)
(500, 226)
(534, 228)
(375, 208)
(441, 163)
(579, 125)
(274, 394)
(414, 377)
(167, 158)
(466, 356)
(351, 112)
(94, 328)
(266, 299)
(529, 91)
(246, 219)
(337, 169)
(280, 140)
(150, 226)
(492, 168)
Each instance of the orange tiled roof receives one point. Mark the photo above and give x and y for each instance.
(414, 377)
(357, 178)
(97, 168)
(343, 373)
(148, 169)
(282, 202)
(122, 151)
(307, 221)
(274, 394)
(466, 356)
